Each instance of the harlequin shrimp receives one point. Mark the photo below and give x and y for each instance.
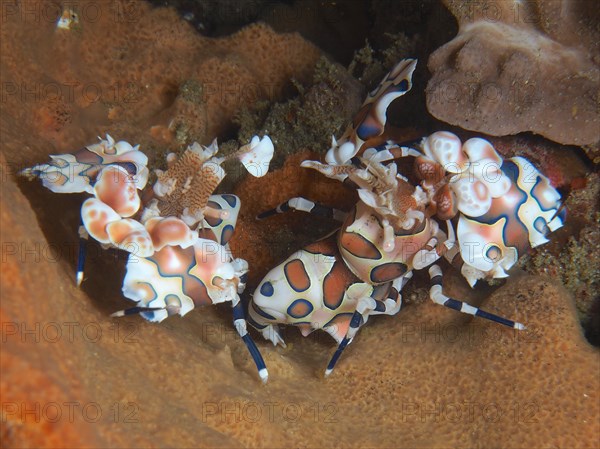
(470, 206)
(177, 236)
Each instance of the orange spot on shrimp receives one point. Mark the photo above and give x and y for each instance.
(335, 285)
(359, 246)
(296, 275)
(388, 272)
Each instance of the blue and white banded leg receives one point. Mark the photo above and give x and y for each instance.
(364, 308)
(436, 247)
(135, 310)
(304, 205)
(239, 322)
(81, 253)
(436, 295)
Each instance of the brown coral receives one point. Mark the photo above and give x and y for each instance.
(429, 377)
(134, 67)
(520, 66)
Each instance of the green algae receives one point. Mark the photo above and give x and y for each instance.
(308, 120)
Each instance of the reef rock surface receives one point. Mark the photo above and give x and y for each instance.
(72, 376)
(138, 71)
(429, 377)
(520, 66)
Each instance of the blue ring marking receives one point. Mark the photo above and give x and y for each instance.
(300, 301)
(226, 228)
(493, 248)
(211, 221)
(231, 199)
(179, 304)
(540, 226)
(267, 289)
(192, 265)
(364, 131)
(537, 200)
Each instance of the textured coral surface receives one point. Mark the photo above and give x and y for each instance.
(71, 376)
(520, 66)
(150, 73)
(426, 378)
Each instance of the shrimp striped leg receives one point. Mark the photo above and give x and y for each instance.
(239, 321)
(304, 205)
(370, 306)
(81, 253)
(435, 248)
(438, 297)
(135, 310)
(239, 316)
